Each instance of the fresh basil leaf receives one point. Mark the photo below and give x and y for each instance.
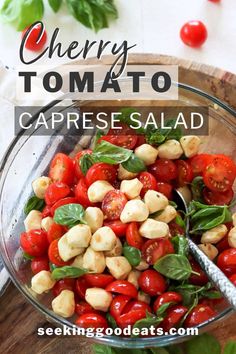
(174, 132)
(179, 220)
(85, 163)
(221, 216)
(134, 164)
(99, 134)
(202, 213)
(27, 256)
(34, 203)
(103, 349)
(132, 254)
(111, 321)
(174, 266)
(191, 307)
(213, 294)
(204, 344)
(197, 187)
(155, 138)
(173, 204)
(55, 4)
(156, 214)
(180, 244)
(148, 322)
(67, 272)
(162, 309)
(230, 347)
(109, 153)
(69, 215)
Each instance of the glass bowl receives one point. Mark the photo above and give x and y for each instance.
(28, 157)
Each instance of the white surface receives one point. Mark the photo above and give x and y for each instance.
(153, 25)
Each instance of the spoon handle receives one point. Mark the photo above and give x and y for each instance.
(214, 274)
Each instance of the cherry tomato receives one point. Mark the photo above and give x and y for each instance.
(122, 287)
(136, 305)
(81, 193)
(215, 0)
(83, 307)
(64, 201)
(98, 280)
(173, 317)
(34, 242)
(165, 188)
(117, 227)
(121, 137)
(153, 250)
(35, 40)
(118, 304)
(233, 279)
(148, 181)
(78, 172)
(46, 211)
(133, 236)
(193, 33)
(195, 279)
(218, 198)
(101, 171)
(198, 315)
(223, 244)
(152, 282)
(176, 229)
(227, 261)
(56, 191)
(81, 285)
(55, 232)
(169, 296)
(91, 320)
(130, 318)
(54, 256)
(39, 263)
(185, 173)
(220, 174)
(62, 169)
(164, 170)
(113, 204)
(141, 140)
(63, 284)
(199, 162)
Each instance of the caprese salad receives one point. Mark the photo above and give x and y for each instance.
(103, 235)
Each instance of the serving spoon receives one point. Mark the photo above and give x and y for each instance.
(215, 275)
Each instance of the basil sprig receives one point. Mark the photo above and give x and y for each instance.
(180, 244)
(132, 254)
(150, 320)
(134, 164)
(69, 215)
(34, 203)
(67, 272)
(197, 187)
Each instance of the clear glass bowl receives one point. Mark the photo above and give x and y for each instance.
(28, 157)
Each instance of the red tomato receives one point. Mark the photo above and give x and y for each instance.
(46, 211)
(124, 137)
(39, 263)
(81, 286)
(199, 162)
(227, 261)
(77, 158)
(35, 40)
(135, 305)
(175, 229)
(141, 140)
(233, 279)
(152, 282)
(83, 307)
(215, 0)
(91, 320)
(173, 317)
(62, 169)
(56, 191)
(98, 280)
(81, 193)
(198, 315)
(53, 255)
(118, 304)
(165, 188)
(197, 279)
(153, 250)
(130, 318)
(122, 287)
(193, 33)
(117, 226)
(64, 201)
(133, 236)
(185, 173)
(169, 296)
(113, 204)
(218, 198)
(220, 174)
(223, 244)
(164, 170)
(148, 181)
(63, 284)
(101, 171)
(55, 232)
(34, 242)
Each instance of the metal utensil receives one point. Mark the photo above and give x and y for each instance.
(215, 275)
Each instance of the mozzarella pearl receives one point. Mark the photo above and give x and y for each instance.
(67, 252)
(98, 190)
(98, 298)
(232, 237)
(131, 188)
(104, 239)
(116, 251)
(79, 236)
(94, 218)
(210, 251)
(40, 186)
(155, 201)
(46, 223)
(147, 153)
(94, 261)
(133, 278)
(64, 304)
(168, 214)
(42, 282)
(33, 220)
(119, 267)
(171, 149)
(124, 174)
(214, 235)
(154, 229)
(190, 144)
(134, 210)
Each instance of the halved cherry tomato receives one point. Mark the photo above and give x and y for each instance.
(64, 201)
(81, 193)
(153, 250)
(185, 173)
(63, 284)
(56, 191)
(195, 279)
(220, 174)
(35, 40)
(134, 305)
(81, 285)
(223, 244)
(83, 307)
(175, 229)
(227, 261)
(123, 287)
(55, 232)
(130, 318)
(141, 140)
(62, 169)
(133, 236)
(232, 278)
(98, 280)
(193, 33)
(118, 227)
(152, 282)
(173, 317)
(148, 181)
(101, 171)
(124, 137)
(77, 158)
(91, 320)
(218, 198)
(46, 211)
(118, 304)
(34, 242)
(54, 256)
(198, 315)
(169, 296)
(165, 188)
(39, 263)
(164, 170)
(199, 162)
(113, 204)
